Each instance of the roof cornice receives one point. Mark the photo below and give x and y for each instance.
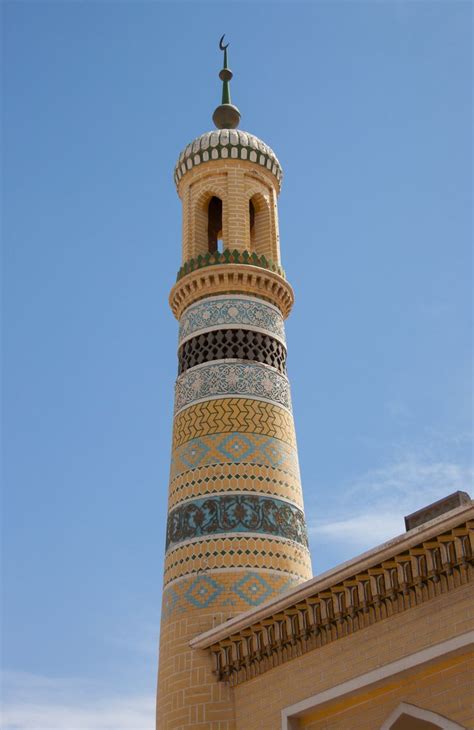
(336, 576)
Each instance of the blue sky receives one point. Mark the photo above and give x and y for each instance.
(368, 106)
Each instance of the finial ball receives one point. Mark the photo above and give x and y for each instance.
(226, 116)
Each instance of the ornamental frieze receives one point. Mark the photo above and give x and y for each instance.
(229, 312)
(222, 379)
(236, 513)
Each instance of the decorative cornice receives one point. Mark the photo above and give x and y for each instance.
(231, 279)
(222, 144)
(228, 257)
(398, 575)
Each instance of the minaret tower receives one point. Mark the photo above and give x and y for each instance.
(236, 533)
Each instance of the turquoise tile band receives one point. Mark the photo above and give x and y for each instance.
(228, 311)
(231, 513)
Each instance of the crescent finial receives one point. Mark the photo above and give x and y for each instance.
(226, 116)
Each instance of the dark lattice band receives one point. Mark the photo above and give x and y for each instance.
(232, 344)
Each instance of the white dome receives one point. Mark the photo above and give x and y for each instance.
(231, 144)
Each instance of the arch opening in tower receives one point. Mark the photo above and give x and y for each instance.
(214, 225)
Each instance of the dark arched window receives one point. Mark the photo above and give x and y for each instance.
(214, 224)
(251, 216)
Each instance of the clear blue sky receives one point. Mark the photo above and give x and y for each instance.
(368, 106)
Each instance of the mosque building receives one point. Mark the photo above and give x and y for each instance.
(249, 639)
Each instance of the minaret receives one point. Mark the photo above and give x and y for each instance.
(236, 534)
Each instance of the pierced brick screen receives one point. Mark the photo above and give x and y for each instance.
(232, 343)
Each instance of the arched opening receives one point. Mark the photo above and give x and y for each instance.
(251, 218)
(260, 228)
(410, 717)
(214, 225)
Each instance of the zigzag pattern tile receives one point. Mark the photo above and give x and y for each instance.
(227, 415)
(243, 477)
(238, 552)
(236, 591)
(217, 449)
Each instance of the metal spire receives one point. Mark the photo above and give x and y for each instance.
(226, 116)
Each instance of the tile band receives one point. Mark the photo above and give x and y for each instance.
(235, 379)
(232, 416)
(211, 515)
(234, 448)
(231, 311)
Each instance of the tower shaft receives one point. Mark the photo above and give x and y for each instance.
(236, 533)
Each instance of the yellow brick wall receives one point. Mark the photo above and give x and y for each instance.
(211, 577)
(189, 695)
(445, 687)
(259, 701)
(235, 183)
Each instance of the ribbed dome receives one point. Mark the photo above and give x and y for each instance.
(227, 143)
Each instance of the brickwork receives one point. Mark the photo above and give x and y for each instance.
(233, 415)
(230, 589)
(231, 279)
(213, 450)
(235, 183)
(445, 687)
(236, 534)
(198, 197)
(237, 551)
(259, 701)
(229, 478)
(188, 695)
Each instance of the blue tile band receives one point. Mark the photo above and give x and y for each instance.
(236, 513)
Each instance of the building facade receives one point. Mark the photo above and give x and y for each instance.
(382, 642)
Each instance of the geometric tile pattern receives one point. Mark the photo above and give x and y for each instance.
(229, 415)
(237, 551)
(232, 344)
(253, 588)
(230, 513)
(237, 448)
(244, 477)
(203, 591)
(235, 379)
(231, 311)
(236, 591)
